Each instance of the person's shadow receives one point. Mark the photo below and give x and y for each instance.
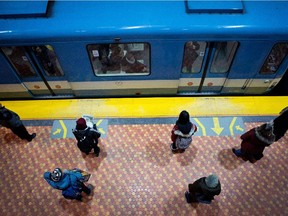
(188, 156)
(92, 162)
(75, 207)
(228, 160)
(158, 152)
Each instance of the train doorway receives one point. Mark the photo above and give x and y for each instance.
(39, 71)
(206, 66)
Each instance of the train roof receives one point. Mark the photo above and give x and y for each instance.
(104, 20)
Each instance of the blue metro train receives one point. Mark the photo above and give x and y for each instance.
(141, 48)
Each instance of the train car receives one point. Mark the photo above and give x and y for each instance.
(75, 49)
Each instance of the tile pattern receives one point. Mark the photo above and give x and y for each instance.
(136, 174)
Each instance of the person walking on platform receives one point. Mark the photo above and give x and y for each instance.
(181, 134)
(281, 124)
(203, 190)
(11, 120)
(87, 137)
(254, 142)
(70, 182)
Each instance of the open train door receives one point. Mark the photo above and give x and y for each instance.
(206, 66)
(271, 72)
(38, 69)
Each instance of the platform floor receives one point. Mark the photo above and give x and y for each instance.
(136, 174)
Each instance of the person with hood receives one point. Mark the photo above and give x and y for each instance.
(203, 190)
(11, 120)
(87, 137)
(254, 142)
(281, 124)
(70, 182)
(181, 134)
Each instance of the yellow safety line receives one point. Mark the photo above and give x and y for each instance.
(232, 125)
(64, 128)
(148, 107)
(201, 125)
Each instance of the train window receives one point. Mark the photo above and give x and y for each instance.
(120, 59)
(18, 58)
(48, 60)
(193, 56)
(223, 56)
(276, 56)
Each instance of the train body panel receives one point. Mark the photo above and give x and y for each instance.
(72, 51)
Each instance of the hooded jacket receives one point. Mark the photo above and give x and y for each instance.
(199, 187)
(183, 130)
(70, 178)
(88, 133)
(254, 143)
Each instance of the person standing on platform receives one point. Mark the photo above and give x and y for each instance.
(203, 190)
(11, 120)
(181, 134)
(281, 124)
(87, 137)
(70, 182)
(254, 142)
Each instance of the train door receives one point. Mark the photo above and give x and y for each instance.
(271, 71)
(206, 66)
(39, 70)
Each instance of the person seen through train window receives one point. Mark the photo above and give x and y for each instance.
(131, 65)
(281, 124)
(183, 128)
(48, 59)
(115, 56)
(255, 141)
(11, 120)
(190, 56)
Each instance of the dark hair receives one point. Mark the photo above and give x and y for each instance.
(184, 117)
(5, 115)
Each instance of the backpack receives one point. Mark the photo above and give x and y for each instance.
(183, 142)
(72, 192)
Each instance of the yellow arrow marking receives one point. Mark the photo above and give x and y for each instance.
(239, 128)
(57, 131)
(101, 130)
(64, 128)
(99, 122)
(201, 125)
(231, 126)
(217, 129)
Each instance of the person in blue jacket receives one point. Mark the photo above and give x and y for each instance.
(70, 182)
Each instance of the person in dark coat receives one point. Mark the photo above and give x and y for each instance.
(87, 137)
(183, 127)
(70, 182)
(203, 190)
(254, 142)
(281, 124)
(11, 120)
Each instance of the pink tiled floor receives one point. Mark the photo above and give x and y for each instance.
(136, 174)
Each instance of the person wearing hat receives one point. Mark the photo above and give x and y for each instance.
(70, 182)
(11, 120)
(281, 124)
(203, 190)
(254, 142)
(87, 137)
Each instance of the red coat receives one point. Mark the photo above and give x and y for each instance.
(251, 145)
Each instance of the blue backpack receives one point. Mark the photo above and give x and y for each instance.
(72, 192)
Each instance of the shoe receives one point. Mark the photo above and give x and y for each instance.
(91, 188)
(32, 137)
(234, 151)
(172, 149)
(187, 196)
